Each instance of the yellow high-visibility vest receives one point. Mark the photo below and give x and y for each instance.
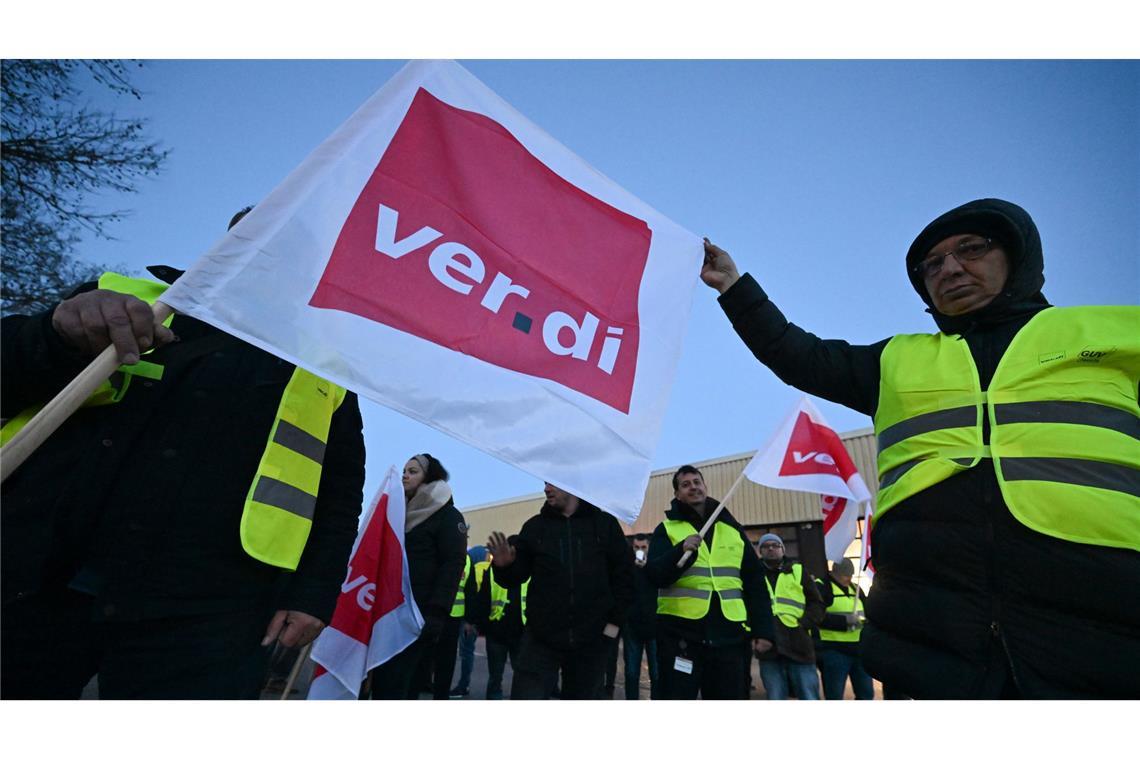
(500, 600)
(788, 599)
(844, 603)
(459, 606)
(1063, 417)
(277, 514)
(716, 571)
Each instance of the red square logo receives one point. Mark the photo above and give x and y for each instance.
(463, 238)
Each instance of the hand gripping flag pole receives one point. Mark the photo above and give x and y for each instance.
(30, 437)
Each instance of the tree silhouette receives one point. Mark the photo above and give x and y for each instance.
(55, 154)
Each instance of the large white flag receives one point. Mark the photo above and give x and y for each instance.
(443, 256)
(806, 454)
(376, 616)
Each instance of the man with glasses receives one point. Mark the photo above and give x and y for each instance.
(1009, 452)
(797, 606)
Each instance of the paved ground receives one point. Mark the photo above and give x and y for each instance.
(479, 680)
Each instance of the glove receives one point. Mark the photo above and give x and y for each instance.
(854, 621)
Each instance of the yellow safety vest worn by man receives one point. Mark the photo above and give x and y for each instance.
(713, 606)
(212, 481)
(1009, 447)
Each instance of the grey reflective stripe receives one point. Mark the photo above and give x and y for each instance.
(284, 496)
(1069, 413)
(726, 572)
(789, 602)
(498, 604)
(893, 476)
(1078, 472)
(733, 593)
(295, 439)
(962, 416)
(692, 593)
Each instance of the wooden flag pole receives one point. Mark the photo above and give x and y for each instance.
(301, 657)
(712, 518)
(48, 419)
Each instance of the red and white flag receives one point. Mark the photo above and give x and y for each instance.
(376, 616)
(443, 256)
(806, 454)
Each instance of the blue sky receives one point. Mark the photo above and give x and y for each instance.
(815, 175)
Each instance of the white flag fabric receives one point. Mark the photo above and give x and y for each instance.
(443, 256)
(806, 454)
(840, 519)
(376, 616)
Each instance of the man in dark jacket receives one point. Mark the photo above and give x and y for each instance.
(712, 605)
(639, 634)
(123, 534)
(797, 607)
(580, 570)
(989, 581)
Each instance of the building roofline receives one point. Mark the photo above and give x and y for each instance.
(860, 432)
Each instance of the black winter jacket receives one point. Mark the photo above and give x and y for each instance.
(713, 629)
(967, 601)
(581, 575)
(437, 553)
(139, 503)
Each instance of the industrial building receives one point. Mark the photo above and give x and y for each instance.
(794, 516)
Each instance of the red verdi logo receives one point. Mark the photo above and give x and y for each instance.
(815, 450)
(463, 238)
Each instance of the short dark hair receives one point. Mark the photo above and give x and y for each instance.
(435, 470)
(685, 469)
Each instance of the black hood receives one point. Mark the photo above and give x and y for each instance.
(1014, 228)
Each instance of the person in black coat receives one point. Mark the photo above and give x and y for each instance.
(435, 541)
(122, 543)
(580, 570)
(639, 634)
(968, 601)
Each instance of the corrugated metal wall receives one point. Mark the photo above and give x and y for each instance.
(751, 505)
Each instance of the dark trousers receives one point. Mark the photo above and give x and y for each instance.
(717, 672)
(634, 647)
(497, 654)
(610, 676)
(443, 658)
(835, 667)
(396, 678)
(466, 657)
(583, 669)
(51, 648)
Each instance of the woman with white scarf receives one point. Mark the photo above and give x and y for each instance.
(435, 540)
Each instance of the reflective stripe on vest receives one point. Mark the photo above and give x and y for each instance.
(716, 570)
(278, 512)
(1064, 426)
(500, 600)
(459, 606)
(788, 600)
(843, 604)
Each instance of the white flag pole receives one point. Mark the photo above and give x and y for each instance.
(55, 412)
(713, 516)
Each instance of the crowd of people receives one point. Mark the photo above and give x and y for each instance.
(200, 508)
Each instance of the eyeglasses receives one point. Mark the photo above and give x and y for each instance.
(969, 250)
